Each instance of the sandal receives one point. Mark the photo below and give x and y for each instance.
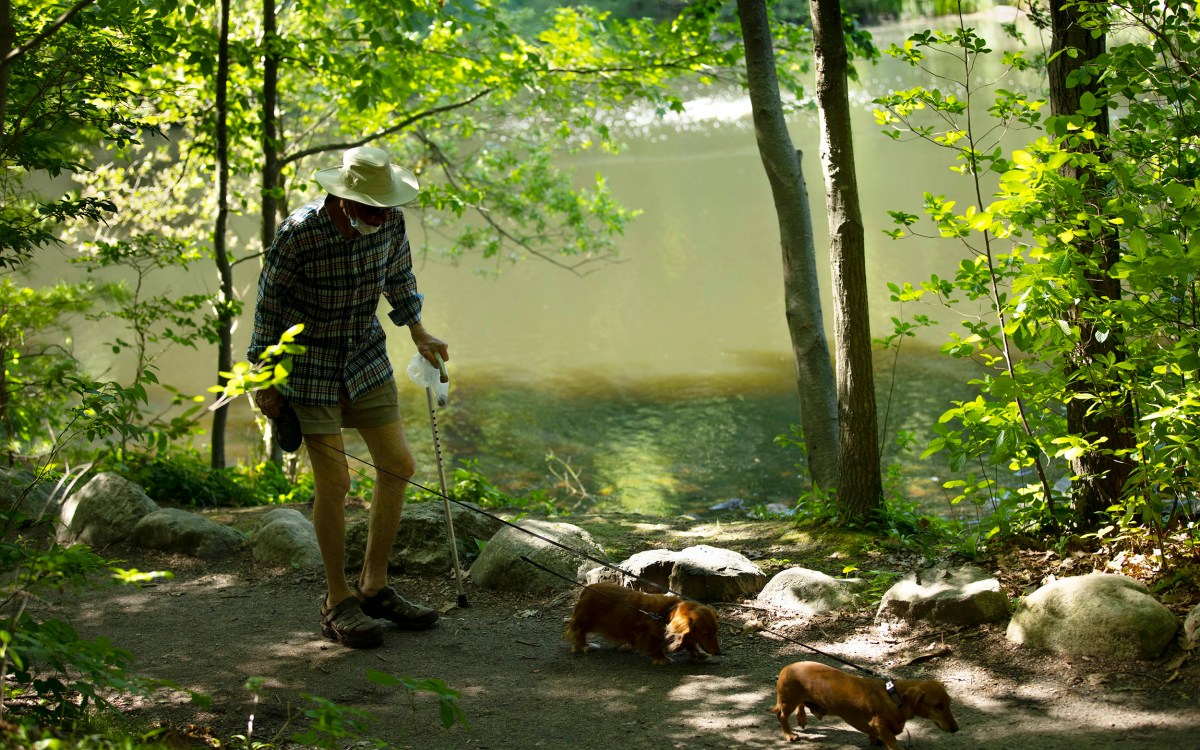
(346, 623)
(386, 604)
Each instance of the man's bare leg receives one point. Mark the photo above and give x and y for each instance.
(342, 617)
(393, 468)
(331, 482)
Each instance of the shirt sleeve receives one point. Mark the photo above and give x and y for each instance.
(279, 273)
(400, 289)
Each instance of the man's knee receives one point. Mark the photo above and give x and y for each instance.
(334, 485)
(401, 468)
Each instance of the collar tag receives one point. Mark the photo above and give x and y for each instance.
(890, 687)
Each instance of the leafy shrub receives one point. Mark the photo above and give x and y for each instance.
(470, 485)
(184, 477)
(49, 673)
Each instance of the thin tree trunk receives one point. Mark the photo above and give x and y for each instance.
(220, 251)
(6, 411)
(271, 187)
(860, 485)
(1100, 476)
(7, 39)
(802, 299)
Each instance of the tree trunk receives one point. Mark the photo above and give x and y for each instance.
(802, 299)
(271, 187)
(860, 485)
(225, 301)
(6, 411)
(8, 38)
(1100, 475)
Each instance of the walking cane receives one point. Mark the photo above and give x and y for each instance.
(437, 452)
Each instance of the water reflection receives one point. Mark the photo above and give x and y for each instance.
(668, 445)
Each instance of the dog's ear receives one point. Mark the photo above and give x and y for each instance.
(679, 624)
(911, 700)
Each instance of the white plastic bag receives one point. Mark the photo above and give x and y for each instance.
(427, 376)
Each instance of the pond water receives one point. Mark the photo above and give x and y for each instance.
(664, 379)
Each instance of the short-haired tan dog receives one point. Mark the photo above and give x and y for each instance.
(651, 624)
(861, 702)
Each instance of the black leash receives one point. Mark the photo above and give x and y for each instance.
(889, 685)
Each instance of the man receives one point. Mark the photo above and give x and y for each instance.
(330, 262)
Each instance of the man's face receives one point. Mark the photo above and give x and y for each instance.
(370, 215)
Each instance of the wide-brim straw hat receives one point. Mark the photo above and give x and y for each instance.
(368, 176)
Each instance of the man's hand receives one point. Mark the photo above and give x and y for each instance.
(428, 344)
(270, 402)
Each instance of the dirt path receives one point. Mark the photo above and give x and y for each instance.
(213, 627)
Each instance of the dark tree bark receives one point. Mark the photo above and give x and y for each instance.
(272, 187)
(1100, 475)
(802, 299)
(225, 317)
(7, 40)
(860, 485)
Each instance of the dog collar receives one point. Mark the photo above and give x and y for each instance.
(890, 687)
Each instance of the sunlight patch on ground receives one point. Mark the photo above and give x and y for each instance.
(209, 582)
(728, 701)
(134, 597)
(650, 528)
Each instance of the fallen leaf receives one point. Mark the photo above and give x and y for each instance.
(941, 650)
(1176, 663)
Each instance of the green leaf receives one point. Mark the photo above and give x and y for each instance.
(1178, 194)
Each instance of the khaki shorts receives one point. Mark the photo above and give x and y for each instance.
(376, 408)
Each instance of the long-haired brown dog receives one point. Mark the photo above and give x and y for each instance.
(651, 624)
(862, 702)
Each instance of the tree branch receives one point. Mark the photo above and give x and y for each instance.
(47, 32)
(486, 215)
(385, 131)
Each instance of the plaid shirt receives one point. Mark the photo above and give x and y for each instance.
(315, 276)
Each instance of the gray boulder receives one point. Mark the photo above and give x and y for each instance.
(21, 491)
(649, 570)
(1191, 627)
(103, 511)
(703, 573)
(175, 530)
(500, 565)
(945, 596)
(1095, 615)
(807, 593)
(711, 574)
(422, 545)
(286, 537)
